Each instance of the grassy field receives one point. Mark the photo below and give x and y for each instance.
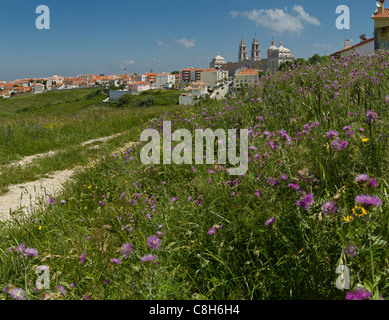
(54, 102)
(314, 199)
(61, 121)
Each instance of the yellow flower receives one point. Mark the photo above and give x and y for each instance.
(92, 166)
(365, 140)
(348, 218)
(359, 211)
(90, 187)
(40, 228)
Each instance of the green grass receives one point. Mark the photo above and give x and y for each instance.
(52, 102)
(289, 114)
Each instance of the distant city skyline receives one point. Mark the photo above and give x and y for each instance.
(100, 37)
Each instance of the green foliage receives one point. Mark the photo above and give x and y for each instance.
(291, 116)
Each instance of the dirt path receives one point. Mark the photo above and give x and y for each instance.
(23, 198)
(29, 159)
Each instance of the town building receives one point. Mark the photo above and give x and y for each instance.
(38, 88)
(196, 90)
(138, 86)
(147, 77)
(212, 77)
(190, 75)
(245, 77)
(165, 79)
(381, 26)
(54, 82)
(277, 56)
(364, 48)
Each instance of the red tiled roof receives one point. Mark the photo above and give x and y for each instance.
(354, 46)
(382, 15)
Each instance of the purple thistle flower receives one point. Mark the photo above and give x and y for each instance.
(18, 294)
(359, 294)
(351, 250)
(294, 186)
(148, 258)
(154, 242)
(371, 116)
(305, 202)
(283, 177)
(368, 200)
(126, 249)
(51, 201)
(63, 201)
(82, 258)
(211, 231)
(122, 195)
(329, 207)
(117, 261)
(20, 248)
(61, 289)
(30, 252)
(373, 182)
(332, 134)
(258, 193)
(361, 177)
(173, 199)
(339, 145)
(270, 221)
(272, 182)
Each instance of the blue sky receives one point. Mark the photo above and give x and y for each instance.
(96, 36)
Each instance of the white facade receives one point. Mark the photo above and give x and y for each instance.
(364, 48)
(218, 62)
(142, 77)
(213, 77)
(277, 56)
(38, 88)
(196, 90)
(164, 79)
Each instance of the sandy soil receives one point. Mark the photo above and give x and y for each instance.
(23, 198)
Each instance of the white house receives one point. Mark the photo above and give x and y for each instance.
(164, 79)
(196, 90)
(213, 77)
(364, 48)
(39, 88)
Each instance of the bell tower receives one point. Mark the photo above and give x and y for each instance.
(242, 51)
(255, 51)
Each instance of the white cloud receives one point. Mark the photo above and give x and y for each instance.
(128, 62)
(305, 16)
(160, 43)
(279, 20)
(186, 43)
(322, 45)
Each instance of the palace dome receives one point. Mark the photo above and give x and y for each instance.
(218, 61)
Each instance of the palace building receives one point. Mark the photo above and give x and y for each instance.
(275, 56)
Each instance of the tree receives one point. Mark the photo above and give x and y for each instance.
(316, 58)
(285, 65)
(124, 100)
